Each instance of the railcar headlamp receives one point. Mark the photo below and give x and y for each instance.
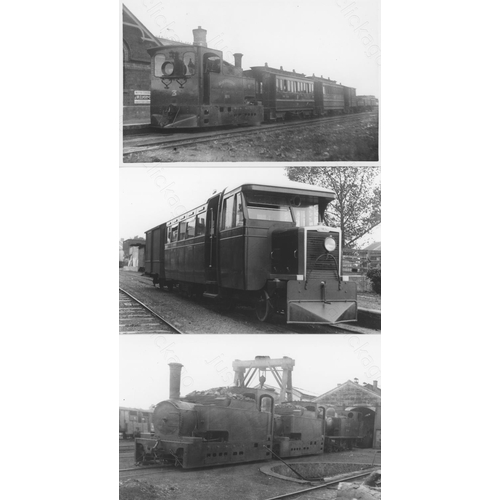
(329, 244)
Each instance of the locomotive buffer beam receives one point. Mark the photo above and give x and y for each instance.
(334, 305)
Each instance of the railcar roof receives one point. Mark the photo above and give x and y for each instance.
(283, 186)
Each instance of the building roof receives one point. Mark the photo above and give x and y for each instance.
(146, 34)
(350, 383)
(135, 241)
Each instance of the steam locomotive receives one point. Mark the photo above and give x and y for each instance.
(258, 244)
(192, 86)
(236, 425)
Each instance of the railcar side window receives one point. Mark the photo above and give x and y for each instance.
(190, 228)
(175, 233)
(182, 230)
(200, 224)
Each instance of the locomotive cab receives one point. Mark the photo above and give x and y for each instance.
(192, 86)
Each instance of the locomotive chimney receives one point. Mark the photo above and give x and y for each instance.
(175, 380)
(200, 37)
(237, 59)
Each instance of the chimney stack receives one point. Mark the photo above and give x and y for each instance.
(200, 37)
(356, 380)
(237, 59)
(175, 380)
(375, 384)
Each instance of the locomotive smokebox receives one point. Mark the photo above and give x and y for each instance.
(175, 380)
(200, 37)
(237, 59)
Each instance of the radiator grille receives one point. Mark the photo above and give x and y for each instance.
(324, 267)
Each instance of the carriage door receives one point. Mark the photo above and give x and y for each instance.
(211, 239)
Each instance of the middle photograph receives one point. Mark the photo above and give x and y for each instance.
(258, 250)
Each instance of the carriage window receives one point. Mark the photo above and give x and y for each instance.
(190, 228)
(227, 213)
(211, 63)
(200, 223)
(168, 235)
(285, 85)
(175, 233)
(239, 211)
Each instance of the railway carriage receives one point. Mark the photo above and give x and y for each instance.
(283, 93)
(192, 86)
(135, 422)
(259, 244)
(329, 96)
(366, 102)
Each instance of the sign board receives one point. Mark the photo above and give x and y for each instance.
(142, 97)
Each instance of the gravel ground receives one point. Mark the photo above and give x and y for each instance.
(205, 316)
(244, 481)
(368, 300)
(354, 141)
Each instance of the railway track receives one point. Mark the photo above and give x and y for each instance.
(136, 317)
(147, 142)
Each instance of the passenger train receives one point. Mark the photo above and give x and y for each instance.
(193, 87)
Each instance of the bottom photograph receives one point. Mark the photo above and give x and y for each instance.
(259, 417)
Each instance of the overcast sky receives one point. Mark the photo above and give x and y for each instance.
(152, 195)
(339, 39)
(321, 361)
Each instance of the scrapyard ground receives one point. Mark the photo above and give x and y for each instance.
(243, 481)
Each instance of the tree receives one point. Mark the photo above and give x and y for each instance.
(356, 209)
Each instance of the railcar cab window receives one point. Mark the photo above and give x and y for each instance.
(175, 64)
(174, 234)
(211, 63)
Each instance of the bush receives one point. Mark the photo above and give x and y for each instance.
(375, 276)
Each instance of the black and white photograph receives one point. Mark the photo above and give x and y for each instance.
(259, 81)
(254, 417)
(255, 250)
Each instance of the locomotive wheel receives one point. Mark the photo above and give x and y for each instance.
(263, 307)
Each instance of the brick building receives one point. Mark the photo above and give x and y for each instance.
(137, 39)
(365, 399)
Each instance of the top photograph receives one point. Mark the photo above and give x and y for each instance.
(261, 81)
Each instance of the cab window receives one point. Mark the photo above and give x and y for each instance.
(227, 213)
(175, 233)
(239, 220)
(174, 63)
(211, 63)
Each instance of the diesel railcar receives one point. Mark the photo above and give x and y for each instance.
(234, 425)
(259, 244)
(192, 86)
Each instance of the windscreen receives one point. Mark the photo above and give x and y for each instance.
(282, 208)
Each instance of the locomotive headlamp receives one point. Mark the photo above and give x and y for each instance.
(329, 244)
(167, 68)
